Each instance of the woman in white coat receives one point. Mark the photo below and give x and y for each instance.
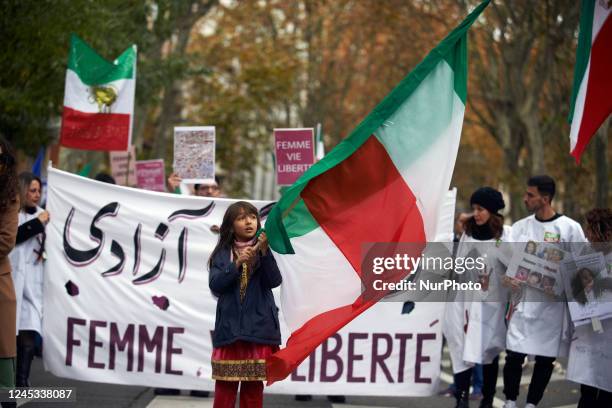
(590, 351)
(474, 324)
(27, 261)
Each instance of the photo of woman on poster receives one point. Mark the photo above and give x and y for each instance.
(531, 248)
(535, 278)
(548, 282)
(522, 273)
(586, 287)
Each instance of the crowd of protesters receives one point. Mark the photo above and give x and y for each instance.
(517, 318)
(243, 272)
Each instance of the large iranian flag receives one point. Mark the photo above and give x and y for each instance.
(98, 99)
(592, 93)
(384, 183)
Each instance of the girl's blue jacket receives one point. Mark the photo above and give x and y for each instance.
(256, 318)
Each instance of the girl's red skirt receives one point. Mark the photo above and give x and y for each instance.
(241, 361)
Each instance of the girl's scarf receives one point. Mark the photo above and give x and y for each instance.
(238, 247)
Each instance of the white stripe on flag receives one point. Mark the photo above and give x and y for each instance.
(579, 108)
(78, 95)
(412, 127)
(307, 277)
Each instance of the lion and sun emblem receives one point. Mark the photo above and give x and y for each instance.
(104, 96)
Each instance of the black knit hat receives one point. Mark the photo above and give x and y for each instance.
(489, 198)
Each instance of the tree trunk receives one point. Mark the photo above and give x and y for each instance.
(172, 104)
(536, 146)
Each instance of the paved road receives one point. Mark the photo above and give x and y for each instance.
(560, 394)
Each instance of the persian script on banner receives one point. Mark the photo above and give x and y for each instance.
(127, 301)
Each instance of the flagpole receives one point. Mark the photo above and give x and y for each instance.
(54, 155)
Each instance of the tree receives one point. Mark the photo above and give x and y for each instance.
(36, 37)
(167, 64)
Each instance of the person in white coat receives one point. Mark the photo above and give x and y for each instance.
(590, 350)
(537, 327)
(474, 324)
(27, 261)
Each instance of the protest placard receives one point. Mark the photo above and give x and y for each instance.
(150, 174)
(194, 153)
(588, 287)
(536, 264)
(123, 167)
(294, 150)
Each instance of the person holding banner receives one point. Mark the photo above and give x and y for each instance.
(242, 275)
(9, 208)
(537, 322)
(590, 350)
(474, 326)
(210, 188)
(27, 259)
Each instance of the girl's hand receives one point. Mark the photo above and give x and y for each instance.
(245, 256)
(44, 217)
(262, 242)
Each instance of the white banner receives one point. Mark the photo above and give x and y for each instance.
(127, 302)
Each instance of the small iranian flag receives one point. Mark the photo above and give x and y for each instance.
(385, 182)
(98, 99)
(592, 93)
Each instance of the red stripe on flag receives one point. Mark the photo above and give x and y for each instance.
(598, 101)
(308, 337)
(363, 199)
(95, 131)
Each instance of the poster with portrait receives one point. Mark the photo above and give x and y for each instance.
(194, 153)
(588, 286)
(536, 264)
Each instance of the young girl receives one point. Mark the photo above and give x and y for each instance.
(474, 324)
(242, 274)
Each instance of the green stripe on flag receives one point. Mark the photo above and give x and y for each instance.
(299, 221)
(276, 231)
(93, 69)
(458, 63)
(583, 52)
(416, 127)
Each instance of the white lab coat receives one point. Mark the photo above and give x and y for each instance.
(474, 328)
(28, 278)
(539, 326)
(590, 356)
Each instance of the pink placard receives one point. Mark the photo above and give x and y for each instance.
(294, 154)
(123, 167)
(151, 175)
